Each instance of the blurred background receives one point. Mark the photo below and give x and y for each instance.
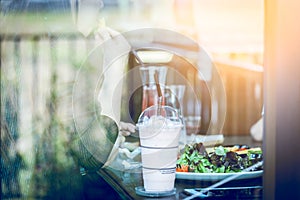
(42, 50)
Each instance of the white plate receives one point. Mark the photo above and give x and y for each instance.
(217, 176)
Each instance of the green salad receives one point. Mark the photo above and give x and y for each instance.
(220, 159)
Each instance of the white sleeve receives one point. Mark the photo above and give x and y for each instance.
(257, 130)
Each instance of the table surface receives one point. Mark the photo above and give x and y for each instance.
(125, 181)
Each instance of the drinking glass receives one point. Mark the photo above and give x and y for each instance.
(159, 136)
(174, 98)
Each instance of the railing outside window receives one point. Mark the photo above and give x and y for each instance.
(37, 75)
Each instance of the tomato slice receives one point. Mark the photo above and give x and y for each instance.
(178, 169)
(185, 168)
(182, 168)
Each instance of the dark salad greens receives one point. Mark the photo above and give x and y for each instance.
(221, 159)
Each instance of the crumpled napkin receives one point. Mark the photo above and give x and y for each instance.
(124, 155)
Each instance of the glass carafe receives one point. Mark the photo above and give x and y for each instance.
(150, 96)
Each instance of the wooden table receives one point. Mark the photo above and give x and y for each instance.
(125, 182)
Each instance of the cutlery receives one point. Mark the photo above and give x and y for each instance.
(202, 192)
